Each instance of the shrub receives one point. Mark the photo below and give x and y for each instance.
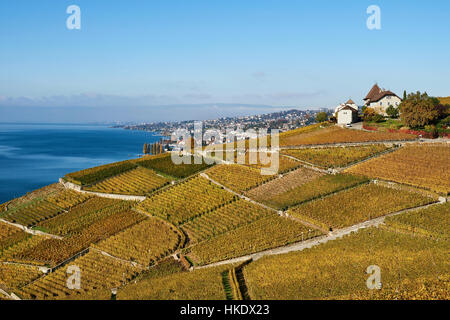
(392, 112)
(368, 114)
(321, 117)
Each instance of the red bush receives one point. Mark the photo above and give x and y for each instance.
(423, 134)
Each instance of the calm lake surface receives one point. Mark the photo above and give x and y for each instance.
(35, 155)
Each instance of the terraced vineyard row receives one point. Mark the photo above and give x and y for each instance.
(31, 197)
(144, 243)
(422, 288)
(186, 200)
(231, 285)
(284, 184)
(223, 155)
(224, 219)
(67, 198)
(10, 235)
(431, 222)
(53, 251)
(205, 284)
(32, 213)
(45, 204)
(335, 134)
(237, 177)
(337, 269)
(263, 142)
(96, 270)
(302, 130)
(258, 160)
(29, 241)
(96, 174)
(284, 164)
(266, 233)
(13, 276)
(165, 165)
(336, 156)
(425, 166)
(83, 215)
(310, 190)
(139, 181)
(357, 205)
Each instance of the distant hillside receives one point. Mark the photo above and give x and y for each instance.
(445, 100)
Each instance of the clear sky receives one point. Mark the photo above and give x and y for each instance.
(141, 54)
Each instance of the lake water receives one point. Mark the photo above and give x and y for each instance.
(35, 155)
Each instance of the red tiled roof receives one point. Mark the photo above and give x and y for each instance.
(376, 94)
(383, 94)
(349, 108)
(373, 92)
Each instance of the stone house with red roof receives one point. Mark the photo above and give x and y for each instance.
(380, 99)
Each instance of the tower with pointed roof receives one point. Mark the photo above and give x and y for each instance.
(375, 91)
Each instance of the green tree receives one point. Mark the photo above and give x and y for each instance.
(363, 109)
(418, 110)
(392, 112)
(321, 117)
(368, 114)
(404, 95)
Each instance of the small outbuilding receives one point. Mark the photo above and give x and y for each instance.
(347, 112)
(347, 115)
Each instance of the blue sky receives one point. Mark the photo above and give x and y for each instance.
(141, 54)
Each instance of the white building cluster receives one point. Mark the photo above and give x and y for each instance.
(377, 99)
